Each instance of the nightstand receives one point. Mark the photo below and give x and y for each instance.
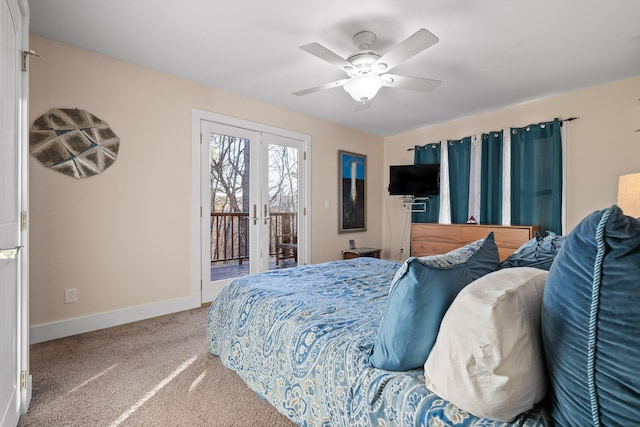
(361, 252)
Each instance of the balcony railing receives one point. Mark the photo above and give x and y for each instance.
(230, 234)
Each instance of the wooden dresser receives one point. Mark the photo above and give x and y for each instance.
(432, 239)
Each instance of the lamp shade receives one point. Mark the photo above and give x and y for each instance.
(629, 194)
(363, 88)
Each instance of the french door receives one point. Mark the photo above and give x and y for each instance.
(252, 193)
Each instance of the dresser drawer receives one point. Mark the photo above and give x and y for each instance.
(505, 237)
(504, 253)
(421, 249)
(435, 233)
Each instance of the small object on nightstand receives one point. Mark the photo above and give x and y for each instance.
(361, 252)
(471, 220)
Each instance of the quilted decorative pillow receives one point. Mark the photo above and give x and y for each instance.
(591, 323)
(420, 294)
(488, 357)
(538, 252)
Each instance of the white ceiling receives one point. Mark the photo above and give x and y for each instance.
(491, 54)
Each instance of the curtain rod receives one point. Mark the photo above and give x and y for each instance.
(570, 119)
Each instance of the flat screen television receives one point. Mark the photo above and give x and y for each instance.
(414, 180)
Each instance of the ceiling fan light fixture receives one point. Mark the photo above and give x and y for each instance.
(363, 88)
(367, 70)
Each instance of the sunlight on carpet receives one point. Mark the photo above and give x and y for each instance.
(197, 381)
(133, 408)
(93, 378)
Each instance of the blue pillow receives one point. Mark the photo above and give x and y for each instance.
(590, 323)
(420, 294)
(538, 252)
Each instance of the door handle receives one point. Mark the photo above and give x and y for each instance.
(255, 215)
(9, 253)
(266, 215)
(253, 218)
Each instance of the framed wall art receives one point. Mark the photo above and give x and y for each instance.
(352, 198)
(73, 142)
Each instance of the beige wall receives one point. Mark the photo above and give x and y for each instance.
(601, 145)
(123, 238)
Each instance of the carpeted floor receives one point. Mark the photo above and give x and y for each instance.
(155, 372)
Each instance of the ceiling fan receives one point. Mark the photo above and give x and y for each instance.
(368, 71)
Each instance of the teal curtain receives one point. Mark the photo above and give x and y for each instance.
(427, 155)
(536, 176)
(459, 171)
(491, 179)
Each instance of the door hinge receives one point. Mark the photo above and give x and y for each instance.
(23, 380)
(305, 155)
(23, 220)
(201, 137)
(200, 211)
(304, 211)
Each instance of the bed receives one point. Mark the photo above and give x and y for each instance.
(301, 338)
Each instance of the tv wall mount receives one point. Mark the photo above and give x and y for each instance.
(414, 204)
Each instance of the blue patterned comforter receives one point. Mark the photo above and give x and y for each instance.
(300, 339)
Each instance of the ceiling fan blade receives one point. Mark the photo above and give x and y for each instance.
(413, 83)
(325, 54)
(331, 85)
(414, 44)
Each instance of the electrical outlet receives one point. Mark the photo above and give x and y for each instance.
(70, 295)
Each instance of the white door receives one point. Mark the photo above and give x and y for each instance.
(11, 196)
(251, 191)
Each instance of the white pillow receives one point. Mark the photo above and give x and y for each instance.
(487, 358)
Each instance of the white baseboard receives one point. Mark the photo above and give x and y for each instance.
(79, 325)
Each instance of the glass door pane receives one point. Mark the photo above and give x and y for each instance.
(230, 214)
(283, 200)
